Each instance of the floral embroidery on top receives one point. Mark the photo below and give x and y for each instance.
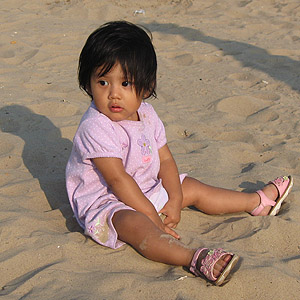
(94, 229)
(99, 230)
(146, 149)
(91, 229)
(145, 145)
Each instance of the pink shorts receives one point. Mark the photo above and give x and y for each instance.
(99, 225)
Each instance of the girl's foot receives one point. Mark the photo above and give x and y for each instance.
(272, 195)
(214, 264)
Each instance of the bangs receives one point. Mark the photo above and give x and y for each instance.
(130, 68)
(105, 68)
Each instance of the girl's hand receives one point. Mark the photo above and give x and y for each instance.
(163, 227)
(172, 211)
(171, 232)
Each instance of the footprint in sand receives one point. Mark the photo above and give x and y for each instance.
(166, 41)
(7, 53)
(17, 55)
(245, 80)
(267, 96)
(189, 59)
(264, 114)
(244, 106)
(213, 57)
(183, 59)
(234, 136)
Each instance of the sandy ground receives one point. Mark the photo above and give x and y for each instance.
(228, 94)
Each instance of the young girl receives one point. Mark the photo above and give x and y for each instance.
(121, 175)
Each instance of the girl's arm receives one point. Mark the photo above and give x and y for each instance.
(127, 190)
(170, 179)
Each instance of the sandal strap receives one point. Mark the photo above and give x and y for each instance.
(193, 266)
(207, 263)
(264, 201)
(281, 183)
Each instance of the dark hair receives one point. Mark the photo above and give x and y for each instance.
(125, 43)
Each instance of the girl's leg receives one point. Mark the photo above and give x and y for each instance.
(144, 236)
(213, 200)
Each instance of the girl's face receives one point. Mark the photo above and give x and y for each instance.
(114, 96)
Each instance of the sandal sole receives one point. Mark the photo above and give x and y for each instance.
(227, 270)
(275, 209)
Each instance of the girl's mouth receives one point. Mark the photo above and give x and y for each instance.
(116, 108)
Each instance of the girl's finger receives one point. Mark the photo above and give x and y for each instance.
(171, 225)
(172, 233)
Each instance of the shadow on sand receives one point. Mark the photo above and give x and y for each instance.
(45, 154)
(279, 67)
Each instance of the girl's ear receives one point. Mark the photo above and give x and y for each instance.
(146, 94)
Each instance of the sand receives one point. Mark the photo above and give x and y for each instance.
(228, 93)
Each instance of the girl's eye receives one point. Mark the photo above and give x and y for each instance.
(126, 83)
(103, 82)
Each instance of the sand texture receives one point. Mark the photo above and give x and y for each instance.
(229, 96)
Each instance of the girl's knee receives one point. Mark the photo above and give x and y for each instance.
(128, 219)
(132, 226)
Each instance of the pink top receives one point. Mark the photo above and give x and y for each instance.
(135, 142)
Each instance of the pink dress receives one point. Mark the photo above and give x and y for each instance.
(136, 143)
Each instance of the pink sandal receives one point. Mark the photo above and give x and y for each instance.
(283, 185)
(208, 264)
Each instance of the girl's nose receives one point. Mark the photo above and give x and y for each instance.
(114, 92)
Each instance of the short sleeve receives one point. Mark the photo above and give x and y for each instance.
(97, 139)
(159, 130)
